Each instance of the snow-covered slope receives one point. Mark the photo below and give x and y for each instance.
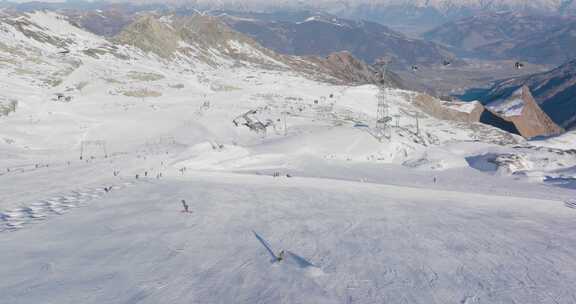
(343, 242)
(108, 137)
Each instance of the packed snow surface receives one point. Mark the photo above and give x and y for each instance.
(344, 242)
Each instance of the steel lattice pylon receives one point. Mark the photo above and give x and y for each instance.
(383, 119)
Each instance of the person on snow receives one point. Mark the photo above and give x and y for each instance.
(185, 206)
(280, 256)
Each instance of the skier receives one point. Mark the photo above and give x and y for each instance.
(145, 173)
(186, 210)
(137, 176)
(434, 179)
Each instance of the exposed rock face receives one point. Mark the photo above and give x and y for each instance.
(344, 66)
(469, 112)
(105, 22)
(170, 36)
(554, 91)
(207, 40)
(525, 114)
(150, 35)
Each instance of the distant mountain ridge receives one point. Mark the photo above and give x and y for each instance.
(437, 12)
(389, 12)
(202, 36)
(541, 39)
(301, 33)
(323, 34)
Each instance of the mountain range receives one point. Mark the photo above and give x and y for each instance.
(389, 12)
(322, 34)
(536, 38)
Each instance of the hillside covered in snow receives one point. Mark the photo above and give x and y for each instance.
(182, 162)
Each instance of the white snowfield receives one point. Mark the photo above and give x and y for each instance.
(345, 242)
(512, 106)
(440, 212)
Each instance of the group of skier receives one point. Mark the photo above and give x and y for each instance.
(158, 176)
(278, 174)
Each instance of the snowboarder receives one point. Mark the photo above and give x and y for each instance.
(186, 210)
(280, 256)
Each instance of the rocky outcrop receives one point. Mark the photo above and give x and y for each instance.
(554, 91)
(207, 40)
(343, 65)
(150, 35)
(525, 114)
(469, 112)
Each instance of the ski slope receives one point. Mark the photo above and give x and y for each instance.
(346, 242)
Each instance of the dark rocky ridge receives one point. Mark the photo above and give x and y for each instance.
(554, 91)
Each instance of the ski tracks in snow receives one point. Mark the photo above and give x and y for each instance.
(17, 218)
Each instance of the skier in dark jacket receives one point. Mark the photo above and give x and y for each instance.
(185, 206)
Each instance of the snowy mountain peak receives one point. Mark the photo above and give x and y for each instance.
(203, 38)
(47, 30)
